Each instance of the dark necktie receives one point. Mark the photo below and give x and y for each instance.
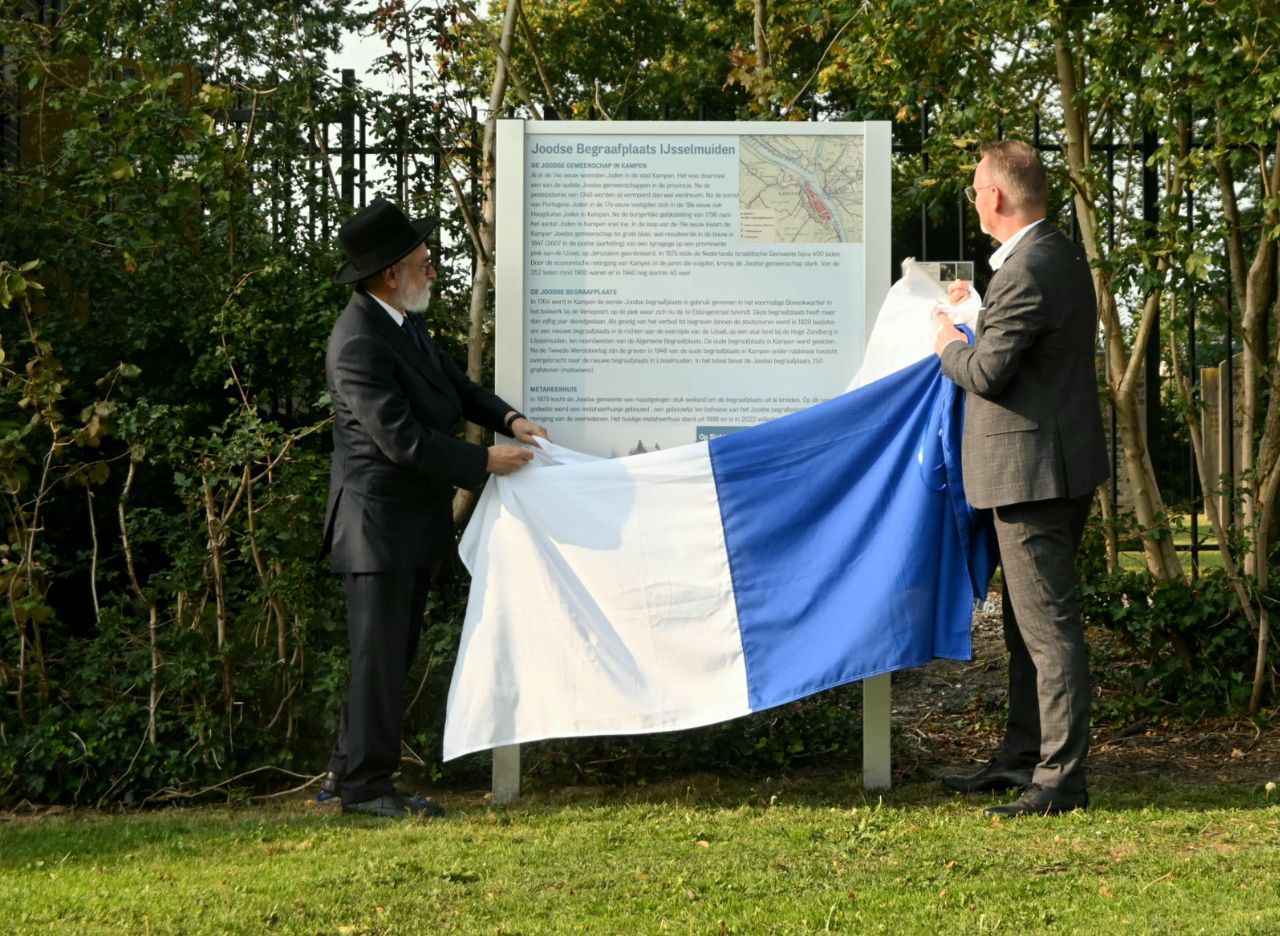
(412, 333)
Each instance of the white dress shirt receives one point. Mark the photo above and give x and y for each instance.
(398, 317)
(1002, 252)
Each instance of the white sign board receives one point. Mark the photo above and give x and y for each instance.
(664, 283)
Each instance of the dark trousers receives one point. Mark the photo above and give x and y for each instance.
(1048, 726)
(384, 623)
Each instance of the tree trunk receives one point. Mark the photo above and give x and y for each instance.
(1157, 539)
(1229, 564)
(1259, 295)
(761, 20)
(481, 283)
(153, 703)
(1109, 534)
(1259, 300)
(217, 575)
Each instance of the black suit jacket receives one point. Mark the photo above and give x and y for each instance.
(1032, 423)
(396, 461)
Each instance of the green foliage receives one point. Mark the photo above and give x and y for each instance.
(643, 60)
(1192, 643)
(1187, 646)
(165, 621)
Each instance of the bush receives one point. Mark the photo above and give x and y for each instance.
(824, 730)
(163, 420)
(1190, 642)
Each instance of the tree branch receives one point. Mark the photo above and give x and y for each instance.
(532, 45)
(503, 50)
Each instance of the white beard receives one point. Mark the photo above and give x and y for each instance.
(417, 300)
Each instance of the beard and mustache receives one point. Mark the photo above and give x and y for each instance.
(416, 298)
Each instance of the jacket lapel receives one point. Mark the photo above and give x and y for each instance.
(424, 362)
(428, 346)
(1043, 229)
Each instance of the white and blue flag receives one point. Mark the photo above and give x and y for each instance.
(693, 585)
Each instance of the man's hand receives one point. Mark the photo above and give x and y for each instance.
(958, 292)
(504, 459)
(524, 430)
(947, 333)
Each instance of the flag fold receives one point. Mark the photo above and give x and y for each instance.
(689, 586)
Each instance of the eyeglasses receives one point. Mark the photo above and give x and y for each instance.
(971, 193)
(425, 266)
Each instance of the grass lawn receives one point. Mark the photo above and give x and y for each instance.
(701, 855)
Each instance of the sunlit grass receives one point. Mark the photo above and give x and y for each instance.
(1208, 556)
(696, 856)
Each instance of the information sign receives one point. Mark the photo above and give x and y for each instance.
(665, 283)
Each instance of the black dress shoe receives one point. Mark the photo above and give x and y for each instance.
(422, 804)
(990, 779)
(1037, 800)
(394, 805)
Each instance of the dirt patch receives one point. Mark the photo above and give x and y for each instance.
(949, 715)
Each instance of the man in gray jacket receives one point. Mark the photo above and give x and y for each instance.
(1033, 452)
(396, 463)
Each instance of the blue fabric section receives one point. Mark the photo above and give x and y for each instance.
(852, 549)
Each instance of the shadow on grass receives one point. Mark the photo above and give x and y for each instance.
(108, 836)
(844, 790)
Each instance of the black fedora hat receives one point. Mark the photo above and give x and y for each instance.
(377, 236)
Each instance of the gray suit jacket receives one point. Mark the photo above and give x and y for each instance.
(396, 461)
(1033, 426)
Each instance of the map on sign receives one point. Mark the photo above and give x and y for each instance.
(800, 189)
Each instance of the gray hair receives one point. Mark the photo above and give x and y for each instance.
(374, 279)
(1017, 170)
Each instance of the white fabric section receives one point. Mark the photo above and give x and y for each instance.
(1002, 252)
(905, 330)
(601, 603)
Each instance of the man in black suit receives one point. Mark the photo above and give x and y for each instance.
(396, 462)
(1033, 452)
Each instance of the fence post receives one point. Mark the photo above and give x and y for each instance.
(1151, 215)
(1228, 417)
(924, 167)
(437, 171)
(347, 139)
(876, 766)
(506, 773)
(473, 168)
(1194, 366)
